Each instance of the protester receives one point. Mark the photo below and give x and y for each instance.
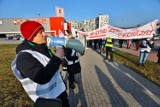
(103, 45)
(95, 43)
(129, 43)
(90, 43)
(100, 45)
(158, 55)
(36, 67)
(137, 42)
(109, 45)
(120, 43)
(145, 48)
(73, 64)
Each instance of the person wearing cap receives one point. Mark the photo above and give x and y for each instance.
(36, 67)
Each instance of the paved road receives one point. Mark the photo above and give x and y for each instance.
(105, 84)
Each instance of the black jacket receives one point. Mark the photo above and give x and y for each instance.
(75, 67)
(158, 54)
(68, 55)
(151, 45)
(30, 67)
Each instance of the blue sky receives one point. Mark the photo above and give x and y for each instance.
(122, 13)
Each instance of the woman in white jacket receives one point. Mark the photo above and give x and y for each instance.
(145, 48)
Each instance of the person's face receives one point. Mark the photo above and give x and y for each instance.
(40, 38)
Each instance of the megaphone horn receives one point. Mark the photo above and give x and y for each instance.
(76, 44)
(82, 40)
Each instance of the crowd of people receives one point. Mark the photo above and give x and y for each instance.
(38, 68)
(143, 50)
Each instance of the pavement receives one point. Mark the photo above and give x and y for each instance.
(105, 84)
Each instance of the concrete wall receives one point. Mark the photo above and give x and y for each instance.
(13, 24)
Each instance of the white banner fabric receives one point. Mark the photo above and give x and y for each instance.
(145, 31)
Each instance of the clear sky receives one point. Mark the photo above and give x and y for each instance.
(122, 13)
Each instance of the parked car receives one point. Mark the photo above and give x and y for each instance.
(21, 38)
(16, 37)
(9, 38)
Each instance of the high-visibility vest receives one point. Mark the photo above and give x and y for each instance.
(50, 90)
(72, 54)
(109, 42)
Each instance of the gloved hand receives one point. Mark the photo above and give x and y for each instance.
(59, 53)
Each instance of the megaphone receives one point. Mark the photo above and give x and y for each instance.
(76, 44)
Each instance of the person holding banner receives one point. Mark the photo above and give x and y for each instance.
(100, 45)
(37, 68)
(120, 43)
(145, 47)
(102, 49)
(137, 41)
(158, 55)
(129, 41)
(109, 45)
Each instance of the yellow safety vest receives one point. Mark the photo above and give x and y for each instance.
(109, 42)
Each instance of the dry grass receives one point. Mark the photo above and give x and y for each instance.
(150, 71)
(11, 92)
